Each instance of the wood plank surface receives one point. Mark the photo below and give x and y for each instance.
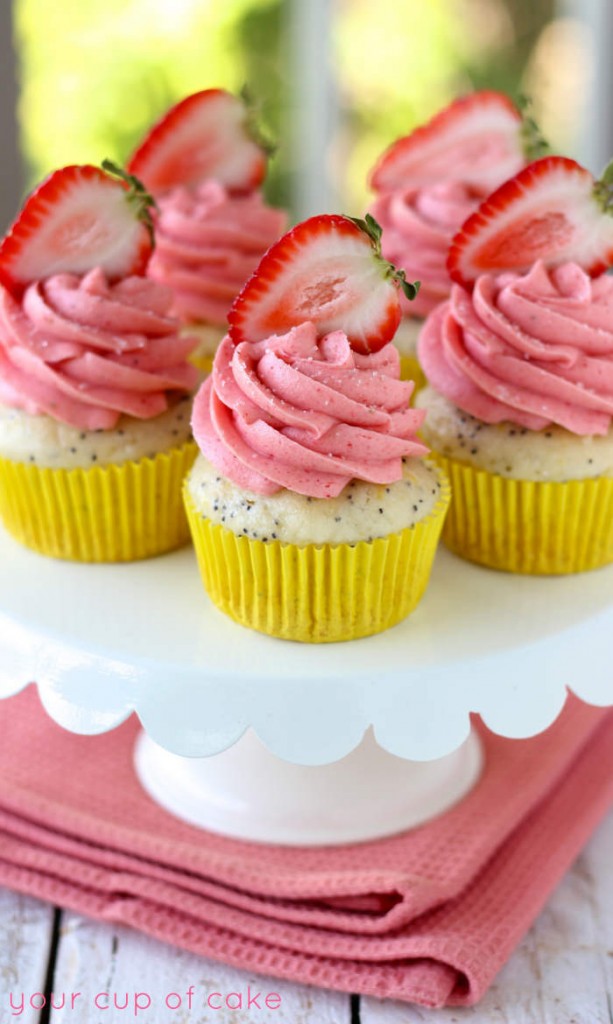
(26, 928)
(154, 978)
(562, 973)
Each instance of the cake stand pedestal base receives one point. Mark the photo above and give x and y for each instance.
(248, 793)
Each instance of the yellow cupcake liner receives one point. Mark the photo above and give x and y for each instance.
(115, 513)
(202, 363)
(317, 593)
(411, 370)
(209, 338)
(524, 526)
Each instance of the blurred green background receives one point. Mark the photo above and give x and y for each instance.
(95, 74)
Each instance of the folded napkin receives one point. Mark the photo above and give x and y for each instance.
(428, 916)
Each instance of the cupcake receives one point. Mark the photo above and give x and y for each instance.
(203, 162)
(95, 381)
(520, 369)
(429, 182)
(313, 513)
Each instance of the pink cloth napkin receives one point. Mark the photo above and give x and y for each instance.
(429, 916)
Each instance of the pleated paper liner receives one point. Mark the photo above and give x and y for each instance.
(202, 363)
(209, 337)
(317, 593)
(522, 526)
(411, 370)
(115, 513)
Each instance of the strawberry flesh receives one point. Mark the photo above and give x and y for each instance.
(325, 270)
(205, 136)
(477, 139)
(526, 239)
(77, 219)
(549, 212)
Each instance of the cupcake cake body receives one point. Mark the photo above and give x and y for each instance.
(203, 165)
(49, 443)
(520, 406)
(313, 514)
(362, 511)
(94, 386)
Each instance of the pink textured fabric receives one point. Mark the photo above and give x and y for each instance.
(428, 916)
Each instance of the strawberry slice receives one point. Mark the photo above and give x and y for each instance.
(78, 218)
(329, 270)
(552, 211)
(210, 134)
(478, 139)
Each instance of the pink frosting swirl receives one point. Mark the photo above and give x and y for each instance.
(418, 225)
(533, 349)
(306, 414)
(207, 244)
(85, 351)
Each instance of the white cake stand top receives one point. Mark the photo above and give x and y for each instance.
(103, 641)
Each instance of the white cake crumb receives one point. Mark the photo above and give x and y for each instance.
(508, 450)
(46, 442)
(362, 512)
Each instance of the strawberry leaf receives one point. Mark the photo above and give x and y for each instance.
(253, 123)
(533, 142)
(138, 197)
(603, 190)
(410, 288)
(374, 231)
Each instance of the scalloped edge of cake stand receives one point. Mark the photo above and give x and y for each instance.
(248, 793)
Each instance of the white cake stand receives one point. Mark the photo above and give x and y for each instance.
(281, 742)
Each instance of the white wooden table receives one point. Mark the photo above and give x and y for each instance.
(561, 974)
